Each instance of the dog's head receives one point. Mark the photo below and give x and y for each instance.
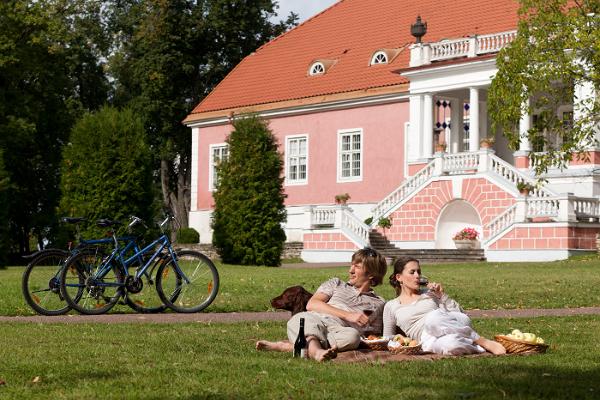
(293, 299)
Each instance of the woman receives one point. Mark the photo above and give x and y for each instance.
(430, 316)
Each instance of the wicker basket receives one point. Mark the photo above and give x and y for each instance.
(514, 346)
(376, 344)
(407, 350)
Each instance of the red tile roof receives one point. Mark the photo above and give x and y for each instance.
(350, 32)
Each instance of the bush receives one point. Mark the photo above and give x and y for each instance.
(188, 235)
(249, 198)
(106, 171)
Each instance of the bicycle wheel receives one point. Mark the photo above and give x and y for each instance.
(85, 290)
(141, 294)
(40, 283)
(195, 289)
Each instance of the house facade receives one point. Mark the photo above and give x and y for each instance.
(362, 104)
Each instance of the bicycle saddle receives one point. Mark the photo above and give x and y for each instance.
(72, 220)
(105, 223)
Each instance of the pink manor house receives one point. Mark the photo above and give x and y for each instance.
(361, 104)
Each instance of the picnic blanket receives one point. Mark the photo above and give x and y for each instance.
(377, 356)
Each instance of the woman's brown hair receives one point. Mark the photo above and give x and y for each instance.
(399, 266)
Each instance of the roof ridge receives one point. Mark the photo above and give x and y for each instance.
(301, 24)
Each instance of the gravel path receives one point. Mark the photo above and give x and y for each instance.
(171, 318)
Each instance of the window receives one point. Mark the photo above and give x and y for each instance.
(379, 57)
(317, 68)
(296, 160)
(218, 153)
(350, 155)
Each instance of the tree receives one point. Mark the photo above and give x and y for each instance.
(3, 213)
(107, 171)
(49, 74)
(557, 49)
(171, 55)
(249, 198)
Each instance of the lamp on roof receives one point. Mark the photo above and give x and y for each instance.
(418, 29)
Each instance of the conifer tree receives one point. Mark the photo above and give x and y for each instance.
(3, 213)
(249, 199)
(107, 171)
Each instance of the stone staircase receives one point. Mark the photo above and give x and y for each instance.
(427, 256)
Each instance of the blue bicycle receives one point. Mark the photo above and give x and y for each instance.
(40, 283)
(184, 280)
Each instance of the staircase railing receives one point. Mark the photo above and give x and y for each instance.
(500, 223)
(354, 228)
(513, 176)
(460, 163)
(406, 188)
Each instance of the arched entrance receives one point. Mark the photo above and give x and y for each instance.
(457, 215)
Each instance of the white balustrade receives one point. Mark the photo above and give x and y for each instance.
(586, 207)
(500, 223)
(470, 47)
(323, 216)
(494, 42)
(514, 176)
(406, 188)
(447, 49)
(354, 228)
(542, 208)
(460, 163)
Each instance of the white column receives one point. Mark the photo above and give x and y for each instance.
(427, 125)
(456, 124)
(524, 126)
(414, 137)
(194, 170)
(474, 119)
(583, 102)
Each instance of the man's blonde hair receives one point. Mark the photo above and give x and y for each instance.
(373, 262)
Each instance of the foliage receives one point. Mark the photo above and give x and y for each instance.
(249, 198)
(49, 73)
(368, 221)
(188, 235)
(556, 53)
(524, 186)
(466, 234)
(384, 222)
(106, 171)
(342, 198)
(171, 54)
(3, 213)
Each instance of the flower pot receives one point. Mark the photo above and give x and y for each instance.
(465, 244)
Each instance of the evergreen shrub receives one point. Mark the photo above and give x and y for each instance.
(188, 235)
(249, 199)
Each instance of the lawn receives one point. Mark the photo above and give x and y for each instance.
(571, 283)
(218, 361)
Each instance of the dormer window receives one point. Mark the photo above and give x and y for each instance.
(385, 56)
(317, 68)
(320, 66)
(379, 57)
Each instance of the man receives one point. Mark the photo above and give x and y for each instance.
(340, 312)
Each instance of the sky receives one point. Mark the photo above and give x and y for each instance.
(304, 8)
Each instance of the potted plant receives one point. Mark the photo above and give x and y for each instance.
(440, 147)
(342, 198)
(487, 142)
(524, 188)
(466, 238)
(384, 223)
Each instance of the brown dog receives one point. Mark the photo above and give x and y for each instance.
(293, 299)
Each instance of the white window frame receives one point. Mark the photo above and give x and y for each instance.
(341, 134)
(211, 163)
(288, 181)
(375, 60)
(317, 68)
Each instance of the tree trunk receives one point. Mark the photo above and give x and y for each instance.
(176, 201)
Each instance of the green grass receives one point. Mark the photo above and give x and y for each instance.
(571, 283)
(218, 361)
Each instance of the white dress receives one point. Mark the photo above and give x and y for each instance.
(437, 323)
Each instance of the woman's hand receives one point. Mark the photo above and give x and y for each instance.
(436, 288)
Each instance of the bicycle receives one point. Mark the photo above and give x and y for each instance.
(40, 281)
(186, 281)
